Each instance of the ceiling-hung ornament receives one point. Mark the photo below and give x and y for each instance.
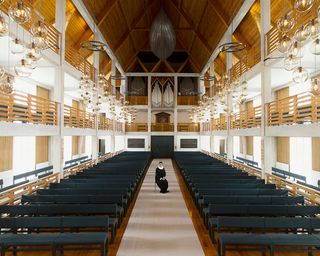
(233, 46)
(162, 36)
(93, 45)
(20, 12)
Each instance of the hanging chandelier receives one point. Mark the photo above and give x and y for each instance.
(6, 86)
(4, 27)
(20, 12)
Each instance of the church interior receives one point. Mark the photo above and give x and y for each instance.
(160, 127)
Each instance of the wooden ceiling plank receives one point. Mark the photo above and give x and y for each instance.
(220, 12)
(104, 14)
(129, 28)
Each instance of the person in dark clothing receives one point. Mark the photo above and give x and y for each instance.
(160, 178)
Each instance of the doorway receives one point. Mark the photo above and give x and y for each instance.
(162, 146)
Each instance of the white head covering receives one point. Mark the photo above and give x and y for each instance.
(160, 166)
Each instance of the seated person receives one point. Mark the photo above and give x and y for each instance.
(160, 178)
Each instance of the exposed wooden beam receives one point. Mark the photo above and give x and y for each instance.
(131, 63)
(104, 14)
(219, 11)
(182, 66)
(142, 65)
(169, 66)
(134, 23)
(156, 66)
(121, 40)
(129, 28)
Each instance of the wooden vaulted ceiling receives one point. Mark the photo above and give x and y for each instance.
(199, 26)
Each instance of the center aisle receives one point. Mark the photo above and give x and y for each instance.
(159, 223)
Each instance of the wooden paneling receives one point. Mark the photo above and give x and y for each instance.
(282, 93)
(75, 145)
(199, 26)
(82, 144)
(316, 153)
(249, 145)
(75, 104)
(241, 144)
(249, 105)
(42, 149)
(283, 149)
(222, 146)
(6, 152)
(43, 92)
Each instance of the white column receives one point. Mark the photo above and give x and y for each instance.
(149, 111)
(229, 104)
(113, 90)
(268, 143)
(56, 142)
(175, 115)
(95, 139)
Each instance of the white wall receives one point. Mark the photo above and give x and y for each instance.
(24, 158)
(119, 142)
(205, 143)
(183, 117)
(301, 158)
(88, 146)
(257, 150)
(67, 149)
(236, 146)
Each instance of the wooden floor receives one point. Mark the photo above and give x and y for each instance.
(202, 233)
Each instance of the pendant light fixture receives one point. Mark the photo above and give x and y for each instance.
(233, 46)
(23, 69)
(301, 34)
(93, 45)
(315, 83)
(20, 12)
(286, 23)
(284, 44)
(16, 46)
(300, 75)
(315, 46)
(303, 5)
(290, 62)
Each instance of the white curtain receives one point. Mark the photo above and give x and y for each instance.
(156, 96)
(168, 96)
